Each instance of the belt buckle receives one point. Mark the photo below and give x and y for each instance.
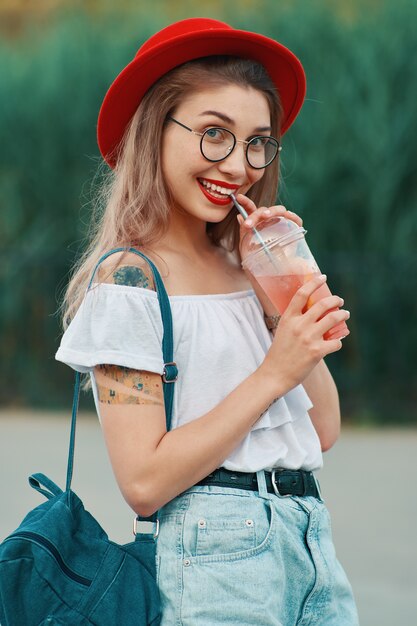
(274, 486)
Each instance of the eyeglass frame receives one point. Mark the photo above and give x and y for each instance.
(235, 140)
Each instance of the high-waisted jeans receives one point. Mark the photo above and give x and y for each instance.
(249, 558)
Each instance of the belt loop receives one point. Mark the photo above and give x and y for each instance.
(262, 489)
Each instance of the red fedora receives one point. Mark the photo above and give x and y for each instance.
(181, 42)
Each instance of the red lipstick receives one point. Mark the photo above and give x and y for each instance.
(224, 201)
(221, 183)
(209, 195)
(218, 201)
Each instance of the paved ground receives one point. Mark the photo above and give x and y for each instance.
(368, 483)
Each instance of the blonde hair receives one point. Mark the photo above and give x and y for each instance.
(131, 207)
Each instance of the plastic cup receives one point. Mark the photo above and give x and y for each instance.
(279, 259)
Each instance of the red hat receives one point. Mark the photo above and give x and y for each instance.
(184, 41)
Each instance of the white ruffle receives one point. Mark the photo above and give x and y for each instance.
(293, 405)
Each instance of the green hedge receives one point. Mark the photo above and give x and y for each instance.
(349, 168)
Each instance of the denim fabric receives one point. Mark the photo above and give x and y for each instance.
(250, 558)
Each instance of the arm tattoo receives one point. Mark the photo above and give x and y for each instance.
(132, 276)
(267, 408)
(122, 385)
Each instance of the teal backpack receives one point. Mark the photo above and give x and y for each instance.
(59, 567)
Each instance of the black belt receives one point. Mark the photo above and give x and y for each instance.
(282, 482)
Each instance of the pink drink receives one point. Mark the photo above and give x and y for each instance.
(280, 290)
(279, 259)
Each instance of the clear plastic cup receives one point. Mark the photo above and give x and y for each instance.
(279, 259)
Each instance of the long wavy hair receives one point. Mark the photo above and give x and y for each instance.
(132, 202)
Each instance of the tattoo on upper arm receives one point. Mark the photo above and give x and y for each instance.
(131, 276)
(122, 385)
(128, 275)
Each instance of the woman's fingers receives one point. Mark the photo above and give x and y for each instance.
(300, 299)
(259, 214)
(324, 314)
(333, 345)
(330, 320)
(247, 203)
(322, 306)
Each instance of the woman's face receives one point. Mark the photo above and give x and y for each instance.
(189, 176)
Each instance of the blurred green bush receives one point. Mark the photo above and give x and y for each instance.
(349, 168)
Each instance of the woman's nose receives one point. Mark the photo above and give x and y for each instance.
(235, 163)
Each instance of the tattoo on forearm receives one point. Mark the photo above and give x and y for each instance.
(122, 385)
(267, 408)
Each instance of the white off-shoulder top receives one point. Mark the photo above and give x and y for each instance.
(219, 340)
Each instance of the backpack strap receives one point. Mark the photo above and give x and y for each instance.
(170, 373)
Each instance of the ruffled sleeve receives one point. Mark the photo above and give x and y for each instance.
(115, 324)
(291, 407)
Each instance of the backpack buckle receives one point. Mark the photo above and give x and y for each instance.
(170, 373)
(147, 527)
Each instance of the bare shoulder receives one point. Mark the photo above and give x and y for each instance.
(126, 268)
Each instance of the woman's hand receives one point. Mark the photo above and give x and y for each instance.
(298, 344)
(261, 214)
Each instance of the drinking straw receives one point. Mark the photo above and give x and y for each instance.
(255, 230)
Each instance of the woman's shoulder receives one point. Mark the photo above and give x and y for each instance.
(126, 268)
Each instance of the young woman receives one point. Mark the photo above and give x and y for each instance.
(244, 536)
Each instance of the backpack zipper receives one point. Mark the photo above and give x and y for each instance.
(49, 546)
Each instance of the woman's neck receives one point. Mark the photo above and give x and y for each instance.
(191, 264)
(188, 236)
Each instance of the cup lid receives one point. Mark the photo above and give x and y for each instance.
(277, 231)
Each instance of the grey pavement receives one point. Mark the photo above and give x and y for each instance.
(368, 482)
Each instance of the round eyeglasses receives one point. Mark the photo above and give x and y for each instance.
(217, 143)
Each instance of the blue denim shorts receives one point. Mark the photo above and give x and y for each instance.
(249, 558)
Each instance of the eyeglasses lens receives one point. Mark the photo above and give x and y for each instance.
(261, 151)
(218, 143)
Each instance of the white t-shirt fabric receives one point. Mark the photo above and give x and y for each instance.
(219, 340)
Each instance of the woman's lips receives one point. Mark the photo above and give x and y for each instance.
(220, 183)
(215, 196)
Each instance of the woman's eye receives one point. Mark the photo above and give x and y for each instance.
(259, 143)
(215, 134)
